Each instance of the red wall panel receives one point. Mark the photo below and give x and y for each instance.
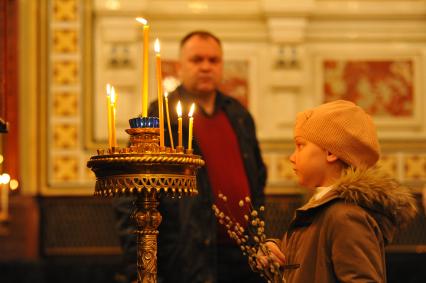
(9, 87)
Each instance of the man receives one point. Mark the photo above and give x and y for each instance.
(192, 246)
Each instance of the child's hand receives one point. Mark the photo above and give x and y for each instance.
(273, 254)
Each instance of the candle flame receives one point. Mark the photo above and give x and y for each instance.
(179, 109)
(157, 46)
(142, 20)
(5, 178)
(113, 97)
(191, 110)
(166, 94)
(108, 89)
(14, 184)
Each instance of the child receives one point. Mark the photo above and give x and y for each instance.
(340, 234)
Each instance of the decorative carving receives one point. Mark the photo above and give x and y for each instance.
(65, 168)
(65, 10)
(65, 72)
(65, 41)
(147, 220)
(127, 184)
(65, 104)
(65, 136)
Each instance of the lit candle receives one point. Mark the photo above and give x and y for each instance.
(108, 89)
(13, 184)
(4, 180)
(179, 112)
(168, 119)
(191, 124)
(160, 90)
(145, 66)
(113, 104)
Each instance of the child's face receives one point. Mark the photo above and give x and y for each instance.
(309, 163)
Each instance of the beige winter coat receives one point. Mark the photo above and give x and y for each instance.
(341, 237)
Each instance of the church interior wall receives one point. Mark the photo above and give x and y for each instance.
(283, 57)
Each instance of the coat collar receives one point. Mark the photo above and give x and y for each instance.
(372, 189)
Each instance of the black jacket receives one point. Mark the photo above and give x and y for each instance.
(187, 240)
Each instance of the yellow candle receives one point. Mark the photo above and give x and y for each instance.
(168, 120)
(4, 181)
(179, 112)
(108, 89)
(113, 104)
(191, 124)
(159, 90)
(145, 66)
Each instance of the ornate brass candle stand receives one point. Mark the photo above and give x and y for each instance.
(146, 171)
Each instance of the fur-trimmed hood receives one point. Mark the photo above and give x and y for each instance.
(392, 205)
(341, 236)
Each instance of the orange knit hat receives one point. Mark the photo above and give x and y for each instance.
(342, 128)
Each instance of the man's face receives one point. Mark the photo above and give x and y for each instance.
(201, 65)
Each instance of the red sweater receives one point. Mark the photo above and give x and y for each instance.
(224, 164)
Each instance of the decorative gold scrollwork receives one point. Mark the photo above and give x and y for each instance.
(177, 185)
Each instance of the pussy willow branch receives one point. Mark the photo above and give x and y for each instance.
(250, 240)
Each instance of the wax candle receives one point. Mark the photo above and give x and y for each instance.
(168, 119)
(179, 112)
(191, 124)
(113, 104)
(108, 89)
(4, 181)
(159, 90)
(145, 66)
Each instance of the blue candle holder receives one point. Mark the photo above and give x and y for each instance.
(144, 122)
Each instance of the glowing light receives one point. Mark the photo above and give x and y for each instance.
(113, 96)
(179, 109)
(14, 184)
(142, 20)
(5, 178)
(157, 46)
(191, 110)
(108, 89)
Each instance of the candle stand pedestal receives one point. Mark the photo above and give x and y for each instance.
(148, 172)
